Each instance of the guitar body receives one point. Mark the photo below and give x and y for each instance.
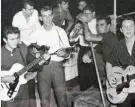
(4, 88)
(8, 91)
(115, 94)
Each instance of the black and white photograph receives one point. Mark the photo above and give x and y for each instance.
(67, 53)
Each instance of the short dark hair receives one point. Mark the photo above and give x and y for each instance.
(90, 7)
(81, 1)
(106, 18)
(123, 18)
(27, 2)
(10, 30)
(60, 1)
(46, 8)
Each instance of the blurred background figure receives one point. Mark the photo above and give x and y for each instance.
(62, 16)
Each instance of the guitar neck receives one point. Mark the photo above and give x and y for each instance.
(131, 77)
(29, 66)
(68, 50)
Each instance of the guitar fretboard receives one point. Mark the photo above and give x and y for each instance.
(29, 66)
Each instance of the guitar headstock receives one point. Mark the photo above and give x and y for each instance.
(36, 49)
(71, 49)
(43, 47)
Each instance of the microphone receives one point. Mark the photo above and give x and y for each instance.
(77, 27)
(78, 22)
(73, 33)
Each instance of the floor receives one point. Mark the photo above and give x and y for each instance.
(72, 91)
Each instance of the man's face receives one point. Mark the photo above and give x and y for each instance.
(81, 5)
(89, 15)
(46, 17)
(12, 40)
(29, 10)
(102, 26)
(64, 6)
(128, 28)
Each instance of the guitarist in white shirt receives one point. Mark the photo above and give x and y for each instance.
(11, 54)
(123, 55)
(52, 74)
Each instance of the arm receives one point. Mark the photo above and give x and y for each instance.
(90, 33)
(109, 69)
(37, 22)
(70, 21)
(7, 79)
(15, 21)
(89, 36)
(110, 75)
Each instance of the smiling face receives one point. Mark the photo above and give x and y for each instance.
(128, 28)
(46, 17)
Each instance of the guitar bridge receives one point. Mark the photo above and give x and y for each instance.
(13, 85)
(12, 88)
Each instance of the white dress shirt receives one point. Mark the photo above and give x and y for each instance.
(56, 38)
(26, 28)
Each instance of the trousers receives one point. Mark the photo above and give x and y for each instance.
(52, 76)
(86, 71)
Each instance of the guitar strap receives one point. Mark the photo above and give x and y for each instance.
(59, 37)
(24, 61)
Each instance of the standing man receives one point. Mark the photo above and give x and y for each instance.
(62, 16)
(122, 56)
(27, 20)
(13, 52)
(52, 74)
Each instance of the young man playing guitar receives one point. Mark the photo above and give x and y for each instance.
(123, 55)
(11, 53)
(52, 74)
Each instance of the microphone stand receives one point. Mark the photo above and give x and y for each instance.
(97, 72)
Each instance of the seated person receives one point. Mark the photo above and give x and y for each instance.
(106, 40)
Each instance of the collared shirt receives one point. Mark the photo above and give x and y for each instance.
(108, 42)
(120, 55)
(26, 28)
(56, 38)
(9, 58)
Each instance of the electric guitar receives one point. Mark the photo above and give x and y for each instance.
(123, 78)
(8, 91)
(55, 49)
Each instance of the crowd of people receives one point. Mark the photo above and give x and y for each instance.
(56, 29)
